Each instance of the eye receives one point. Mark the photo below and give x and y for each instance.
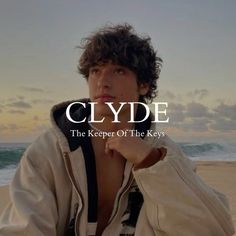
(119, 71)
(94, 70)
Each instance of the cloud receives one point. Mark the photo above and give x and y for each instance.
(190, 117)
(32, 89)
(224, 118)
(198, 94)
(227, 111)
(16, 103)
(43, 101)
(13, 126)
(194, 95)
(40, 127)
(10, 127)
(11, 99)
(195, 109)
(220, 100)
(20, 104)
(176, 106)
(16, 112)
(3, 127)
(176, 112)
(35, 118)
(21, 97)
(223, 124)
(196, 124)
(169, 95)
(198, 117)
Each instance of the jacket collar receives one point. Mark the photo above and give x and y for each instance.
(62, 125)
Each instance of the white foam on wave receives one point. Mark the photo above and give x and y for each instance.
(214, 157)
(6, 174)
(210, 151)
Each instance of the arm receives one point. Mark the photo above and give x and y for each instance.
(178, 202)
(32, 209)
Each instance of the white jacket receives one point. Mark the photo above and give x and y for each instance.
(49, 192)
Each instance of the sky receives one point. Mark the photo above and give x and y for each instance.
(195, 39)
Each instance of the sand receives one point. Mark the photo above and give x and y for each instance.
(4, 197)
(218, 174)
(221, 176)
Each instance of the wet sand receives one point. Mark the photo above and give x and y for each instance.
(221, 175)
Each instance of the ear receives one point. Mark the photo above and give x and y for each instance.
(143, 89)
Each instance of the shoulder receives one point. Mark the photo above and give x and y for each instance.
(45, 148)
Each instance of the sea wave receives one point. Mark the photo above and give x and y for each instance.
(10, 155)
(210, 151)
(6, 175)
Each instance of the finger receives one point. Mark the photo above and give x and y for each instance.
(127, 132)
(108, 150)
(107, 147)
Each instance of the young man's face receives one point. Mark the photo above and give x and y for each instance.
(113, 83)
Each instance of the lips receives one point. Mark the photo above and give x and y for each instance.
(104, 98)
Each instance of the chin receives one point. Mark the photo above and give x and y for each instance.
(103, 110)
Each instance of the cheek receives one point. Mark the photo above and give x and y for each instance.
(129, 95)
(91, 85)
(91, 90)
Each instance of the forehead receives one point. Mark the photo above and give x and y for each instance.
(107, 63)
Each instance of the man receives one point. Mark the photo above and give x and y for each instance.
(69, 184)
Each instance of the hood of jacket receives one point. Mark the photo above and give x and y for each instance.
(62, 126)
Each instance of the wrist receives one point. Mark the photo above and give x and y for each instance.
(143, 153)
(155, 155)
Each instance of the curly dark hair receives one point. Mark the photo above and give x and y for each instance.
(121, 45)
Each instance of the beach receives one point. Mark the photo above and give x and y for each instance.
(220, 175)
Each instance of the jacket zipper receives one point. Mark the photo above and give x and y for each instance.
(72, 179)
(130, 181)
(219, 217)
(70, 231)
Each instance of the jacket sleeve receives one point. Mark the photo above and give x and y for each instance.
(178, 202)
(32, 209)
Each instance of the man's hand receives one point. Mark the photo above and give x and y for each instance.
(134, 149)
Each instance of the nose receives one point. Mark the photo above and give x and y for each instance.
(104, 80)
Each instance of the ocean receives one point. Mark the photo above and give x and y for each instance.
(10, 155)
